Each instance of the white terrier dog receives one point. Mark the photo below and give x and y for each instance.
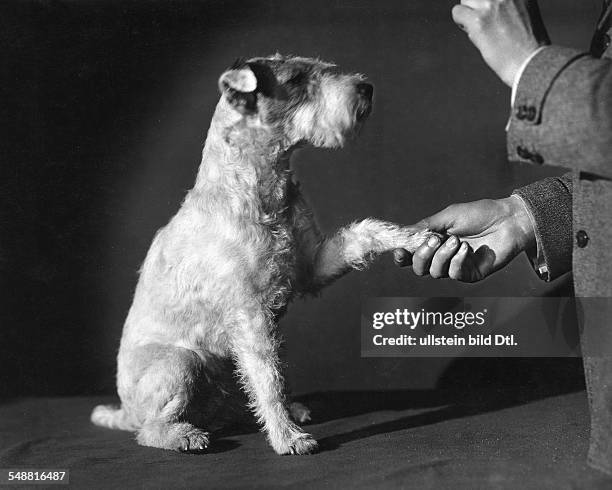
(217, 277)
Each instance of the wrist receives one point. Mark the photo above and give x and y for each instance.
(518, 75)
(516, 63)
(518, 215)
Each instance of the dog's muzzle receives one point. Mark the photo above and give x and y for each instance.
(365, 90)
(364, 106)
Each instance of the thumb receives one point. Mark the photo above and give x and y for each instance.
(401, 257)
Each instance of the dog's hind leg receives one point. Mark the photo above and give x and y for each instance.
(111, 417)
(299, 412)
(176, 436)
(255, 352)
(162, 397)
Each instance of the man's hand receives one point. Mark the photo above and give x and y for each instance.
(483, 236)
(506, 32)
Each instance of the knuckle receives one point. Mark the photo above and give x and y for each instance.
(479, 23)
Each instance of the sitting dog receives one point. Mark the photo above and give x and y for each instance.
(244, 241)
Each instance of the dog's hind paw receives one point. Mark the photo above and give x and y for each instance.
(180, 436)
(300, 413)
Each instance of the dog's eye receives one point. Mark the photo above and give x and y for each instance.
(297, 79)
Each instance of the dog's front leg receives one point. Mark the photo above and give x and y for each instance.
(353, 246)
(255, 352)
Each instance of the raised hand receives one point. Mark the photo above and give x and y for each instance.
(506, 32)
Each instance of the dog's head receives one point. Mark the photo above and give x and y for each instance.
(305, 100)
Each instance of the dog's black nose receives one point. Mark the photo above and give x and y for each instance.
(365, 90)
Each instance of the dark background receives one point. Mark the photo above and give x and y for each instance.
(105, 107)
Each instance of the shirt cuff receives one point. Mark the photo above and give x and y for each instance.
(536, 257)
(519, 73)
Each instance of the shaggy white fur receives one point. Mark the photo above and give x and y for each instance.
(217, 276)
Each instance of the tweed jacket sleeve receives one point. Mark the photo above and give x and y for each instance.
(562, 116)
(562, 113)
(549, 202)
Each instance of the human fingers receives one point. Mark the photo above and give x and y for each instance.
(421, 259)
(441, 260)
(462, 267)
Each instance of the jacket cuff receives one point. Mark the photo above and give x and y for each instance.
(520, 72)
(551, 210)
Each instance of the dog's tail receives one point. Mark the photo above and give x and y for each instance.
(112, 417)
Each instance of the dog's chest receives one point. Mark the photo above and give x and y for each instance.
(276, 267)
(274, 239)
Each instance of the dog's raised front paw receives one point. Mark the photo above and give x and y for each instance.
(300, 413)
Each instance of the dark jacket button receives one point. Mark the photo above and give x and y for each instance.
(523, 152)
(537, 158)
(521, 112)
(582, 239)
(606, 41)
(530, 113)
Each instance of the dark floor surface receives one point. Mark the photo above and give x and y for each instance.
(368, 440)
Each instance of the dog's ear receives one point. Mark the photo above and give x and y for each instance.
(238, 85)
